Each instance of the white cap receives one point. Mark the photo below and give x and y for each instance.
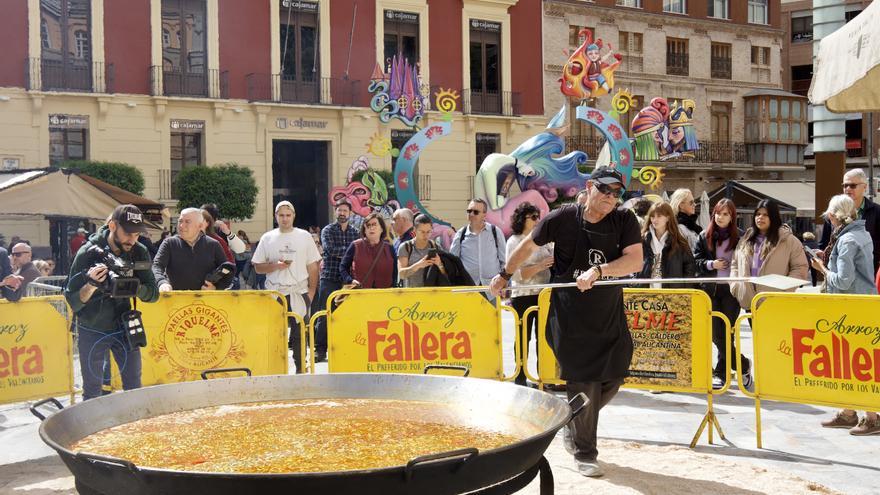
(287, 204)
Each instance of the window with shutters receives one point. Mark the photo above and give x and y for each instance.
(675, 6)
(720, 116)
(630, 48)
(401, 35)
(758, 11)
(637, 4)
(575, 38)
(677, 57)
(721, 61)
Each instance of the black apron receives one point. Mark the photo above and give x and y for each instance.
(587, 330)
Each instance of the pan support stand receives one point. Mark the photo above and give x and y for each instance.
(710, 420)
(522, 480)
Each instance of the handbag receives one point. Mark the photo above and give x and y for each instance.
(339, 299)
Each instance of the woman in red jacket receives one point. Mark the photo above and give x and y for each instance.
(370, 262)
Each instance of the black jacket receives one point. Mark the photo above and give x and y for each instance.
(702, 256)
(674, 264)
(456, 275)
(871, 216)
(101, 312)
(185, 267)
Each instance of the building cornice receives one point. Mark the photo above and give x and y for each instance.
(609, 15)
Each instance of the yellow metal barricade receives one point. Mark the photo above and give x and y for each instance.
(36, 349)
(672, 336)
(189, 332)
(819, 349)
(403, 330)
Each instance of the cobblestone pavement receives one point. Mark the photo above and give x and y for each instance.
(659, 424)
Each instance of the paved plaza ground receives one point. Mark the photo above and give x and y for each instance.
(644, 441)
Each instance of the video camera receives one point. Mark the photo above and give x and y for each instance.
(222, 276)
(120, 282)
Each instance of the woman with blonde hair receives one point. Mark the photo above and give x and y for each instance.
(667, 252)
(685, 209)
(850, 255)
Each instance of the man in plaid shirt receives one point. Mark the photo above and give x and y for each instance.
(335, 239)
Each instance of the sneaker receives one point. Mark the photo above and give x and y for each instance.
(866, 427)
(746, 380)
(842, 420)
(591, 469)
(717, 382)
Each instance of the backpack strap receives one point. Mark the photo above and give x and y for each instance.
(461, 240)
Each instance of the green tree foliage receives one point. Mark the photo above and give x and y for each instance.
(230, 186)
(121, 175)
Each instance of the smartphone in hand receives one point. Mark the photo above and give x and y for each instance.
(432, 253)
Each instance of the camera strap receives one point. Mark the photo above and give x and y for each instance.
(133, 326)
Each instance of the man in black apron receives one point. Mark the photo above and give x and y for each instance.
(587, 328)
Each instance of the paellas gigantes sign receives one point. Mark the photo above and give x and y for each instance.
(35, 357)
(671, 332)
(189, 332)
(822, 349)
(390, 331)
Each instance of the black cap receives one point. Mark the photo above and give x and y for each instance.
(130, 218)
(607, 175)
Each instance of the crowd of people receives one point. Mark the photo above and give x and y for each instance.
(592, 239)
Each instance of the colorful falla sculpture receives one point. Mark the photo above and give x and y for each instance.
(588, 73)
(398, 94)
(663, 133)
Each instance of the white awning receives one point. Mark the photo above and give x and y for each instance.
(847, 76)
(797, 194)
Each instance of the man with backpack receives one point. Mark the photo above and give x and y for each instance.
(480, 245)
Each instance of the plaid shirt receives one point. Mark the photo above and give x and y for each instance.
(335, 241)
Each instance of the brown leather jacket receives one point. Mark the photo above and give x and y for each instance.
(787, 258)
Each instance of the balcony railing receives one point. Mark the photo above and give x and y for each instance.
(632, 63)
(709, 152)
(507, 103)
(284, 89)
(677, 64)
(68, 75)
(721, 68)
(207, 84)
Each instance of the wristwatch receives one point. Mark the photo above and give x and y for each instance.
(503, 274)
(599, 269)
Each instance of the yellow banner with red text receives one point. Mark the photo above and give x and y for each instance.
(818, 349)
(189, 332)
(672, 337)
(402, 331)
(36, 359)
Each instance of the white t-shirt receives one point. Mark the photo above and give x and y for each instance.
(299, 246)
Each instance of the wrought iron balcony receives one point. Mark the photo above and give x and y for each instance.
(68, 75)
(507, 103)
(316, 91)
(174, 82)
(721, 68)
(677, 64)
(709, 152)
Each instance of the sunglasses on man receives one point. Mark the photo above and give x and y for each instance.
(852, 185)
(608, 190)
(474, 212)
(15, 255)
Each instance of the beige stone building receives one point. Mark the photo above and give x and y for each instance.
(714, 53)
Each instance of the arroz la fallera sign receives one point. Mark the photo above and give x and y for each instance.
(819, 349)
(393, 331)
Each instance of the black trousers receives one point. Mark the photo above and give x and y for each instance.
(520, 305)
(724, 302)
(294, 339)
(583, 427)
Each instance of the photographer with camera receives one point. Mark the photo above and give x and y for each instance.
(107, 271)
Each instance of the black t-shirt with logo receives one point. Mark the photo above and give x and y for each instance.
(587, 330)
(558, 227)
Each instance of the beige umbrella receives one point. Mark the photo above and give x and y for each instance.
(847, 77)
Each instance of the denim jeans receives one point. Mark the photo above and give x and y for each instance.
(325, 288)
(93, 346)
